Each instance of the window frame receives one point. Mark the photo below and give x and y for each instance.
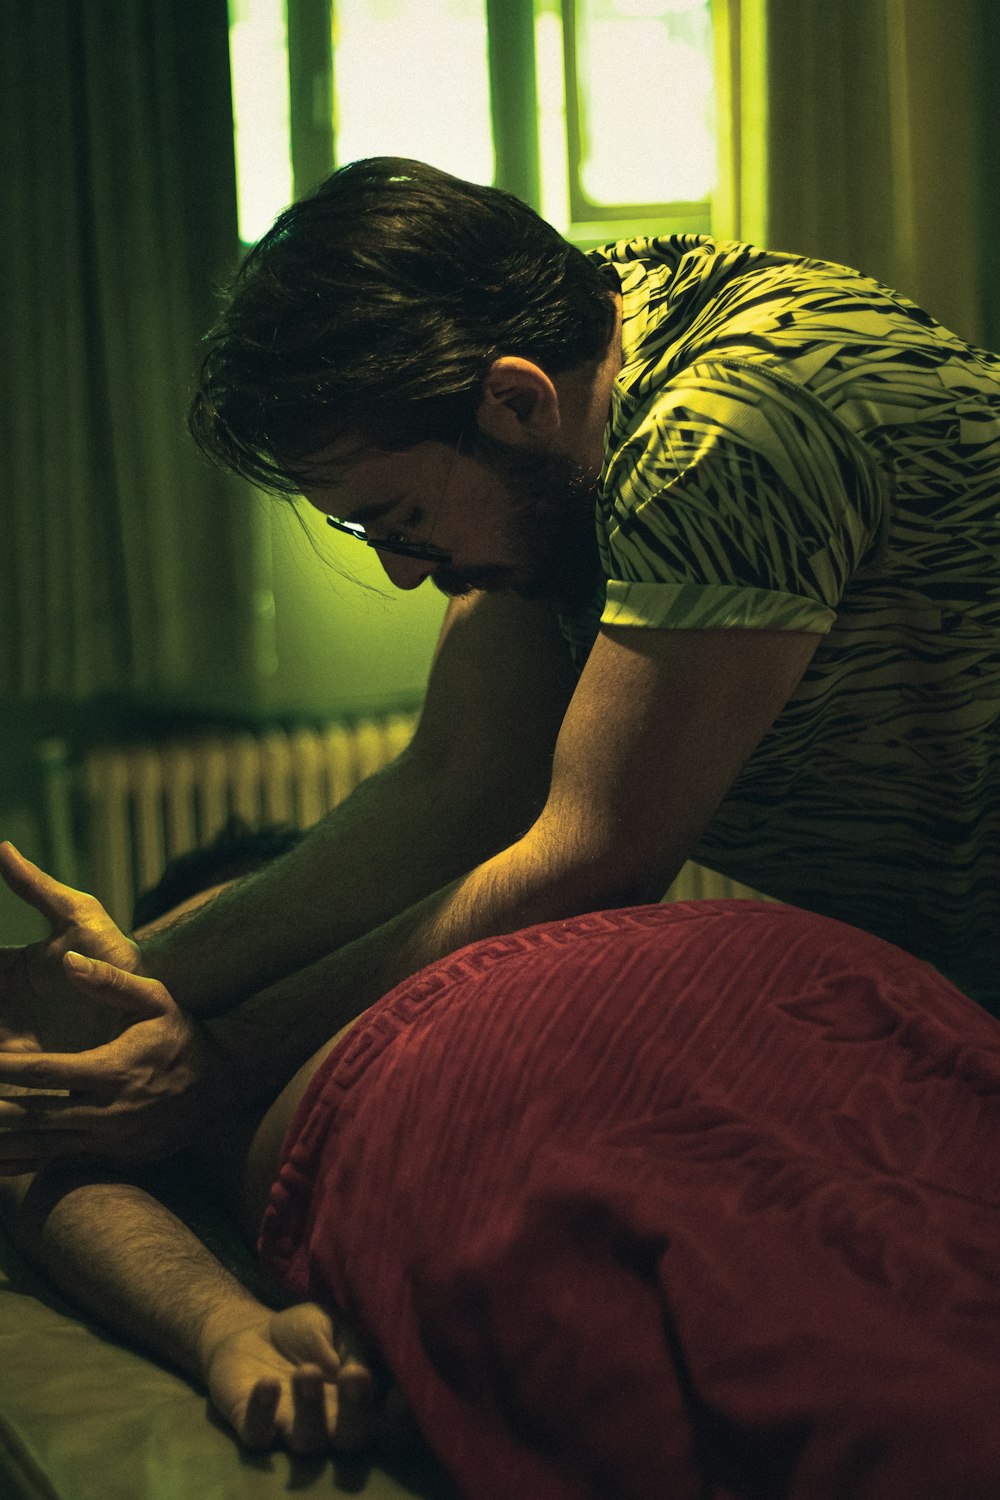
(311, 92)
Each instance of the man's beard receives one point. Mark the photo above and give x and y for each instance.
(550, 532)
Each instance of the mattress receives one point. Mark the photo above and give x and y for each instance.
(84, 1417)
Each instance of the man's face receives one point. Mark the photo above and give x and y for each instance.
(506, 518)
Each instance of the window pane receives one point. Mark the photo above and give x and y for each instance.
(412, 79)
(259, 63)
(645, 84)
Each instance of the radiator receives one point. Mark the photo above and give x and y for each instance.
(145, 804)
(116, 821)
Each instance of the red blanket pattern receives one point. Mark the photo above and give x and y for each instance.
(669, 1203)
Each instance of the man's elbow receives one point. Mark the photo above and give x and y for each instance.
(614, 883)
(597, 869)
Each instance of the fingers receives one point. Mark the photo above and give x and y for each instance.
(304, 1417)
(265, 1382)
(341, 1417)
(307, 1334)
(355, 1381)
(53, 1071)
(260, 1427)
(311, 1415)
(117, 987)
(17, 871)
(314, 1412)
(304, 1334)
(66, 910)
(30, 882)
(357, 1409)
(17, 1041)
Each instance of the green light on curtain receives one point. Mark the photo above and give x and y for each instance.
(259, 65)
(646, 77)
(412, 79)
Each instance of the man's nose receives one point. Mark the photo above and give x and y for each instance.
(404, 572)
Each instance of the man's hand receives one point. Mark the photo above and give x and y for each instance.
(39, 1009)
(280, 1379)
(139, 1097)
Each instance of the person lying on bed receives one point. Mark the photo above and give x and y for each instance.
(720, 524)
(676, 1200)
(274, 1372)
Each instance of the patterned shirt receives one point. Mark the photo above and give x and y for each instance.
(793, 446)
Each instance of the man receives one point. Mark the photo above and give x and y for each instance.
(781, 653)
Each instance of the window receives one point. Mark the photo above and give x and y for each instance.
(640, 126)
(425, 107)
(600, 113)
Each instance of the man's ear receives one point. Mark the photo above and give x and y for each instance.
(519, 404)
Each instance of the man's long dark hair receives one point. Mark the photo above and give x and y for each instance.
(374, 308)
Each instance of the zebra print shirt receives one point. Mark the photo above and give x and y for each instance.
(793, 446)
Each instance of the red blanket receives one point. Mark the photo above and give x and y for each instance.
(682, 1201)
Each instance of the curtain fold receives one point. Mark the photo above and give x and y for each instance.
(129, 564)
(866, 132)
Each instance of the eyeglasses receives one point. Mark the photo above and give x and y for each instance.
(399, 546)
(394, 543)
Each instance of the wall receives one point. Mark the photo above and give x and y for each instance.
(332, 638)
(341, 640)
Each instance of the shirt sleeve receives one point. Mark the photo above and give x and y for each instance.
(737, 500)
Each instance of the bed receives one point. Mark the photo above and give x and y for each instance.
(84, 1417)
(720, 1223)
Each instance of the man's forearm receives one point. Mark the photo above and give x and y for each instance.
(269, 1036)
(297, 1376)
(123, 1256)
(400, 836)
(474, 777)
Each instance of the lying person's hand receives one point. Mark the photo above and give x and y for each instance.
(281, 1379)
(40, 1010)
(139, 1097)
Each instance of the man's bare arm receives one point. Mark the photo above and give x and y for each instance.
(659, 727)
(124, 1257)
(658, 730)
(473, 779)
